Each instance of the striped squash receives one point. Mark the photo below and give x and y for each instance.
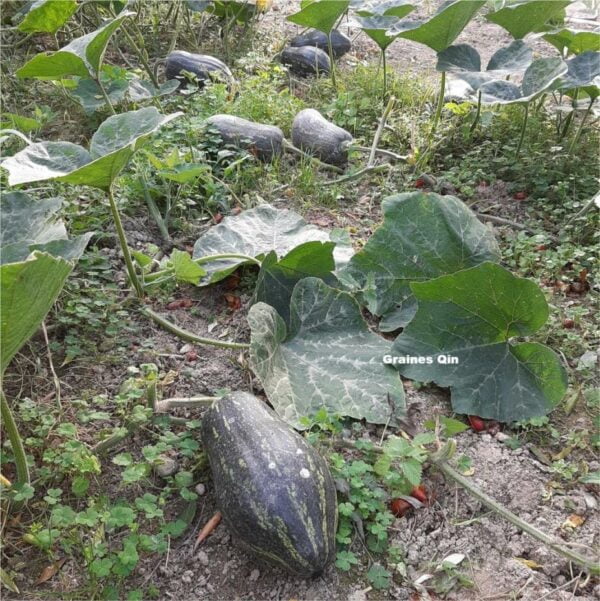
(274, 491)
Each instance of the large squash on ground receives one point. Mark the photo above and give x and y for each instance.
(340, 44)
(274, 490)
(306, 60)
(203, 66)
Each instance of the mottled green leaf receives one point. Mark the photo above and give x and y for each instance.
(47, 16)
(574, 41)
(461, 57)
(327, 359)
(583, 71)
(255, 233)
(524, 16)
(422, 236)
(472, 315)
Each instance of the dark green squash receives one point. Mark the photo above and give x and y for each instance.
(313, 134)
(263, 141)
(205, 67)
(340, 44)
(274, 491)
(306, 60)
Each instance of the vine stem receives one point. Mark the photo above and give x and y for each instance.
(15, 441)
(188, 402)
(357, 174)
(440, 104)
(133, 279)
(105, 95)
(384, 65)
(580, 128)
(330, 48)
(186, 335)
(142, 58)
(477, 114)
(386, 113)
(523, 128)
(201, 260)
(492, 504)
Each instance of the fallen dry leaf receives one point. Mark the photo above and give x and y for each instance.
(208, 529)
(50, 571)
(233, 302)
(573, 521)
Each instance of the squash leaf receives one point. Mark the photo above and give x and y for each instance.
(255, 233)
(583, 72)
(439, 31)
(472, 315)
(111, 147)
(524, 16)
(422, 236)
(82, 57)
(320, 14)
(36, 257)
(278, 277)
(377, 18)
(574, 41)
(327, 358)
(47, 16)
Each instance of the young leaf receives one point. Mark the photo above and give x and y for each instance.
(277, 278)
(379, 577)
(82, 57)
(524, 16)
(185, 269)
(422, 236)
(471, 316)
(574, 41)
(47, 16)
(328, 358)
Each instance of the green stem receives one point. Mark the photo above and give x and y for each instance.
(440, 104)
(133, 279)
(189, 403)
(492, 504)
(384, 64)
(111, 108)
(160, 222)
(15, 441)
(580, 128)
(185, 335)
(330, 48)
(569, 118)
(477, 114)
(141, 56)
(523, 128)
(199, 261)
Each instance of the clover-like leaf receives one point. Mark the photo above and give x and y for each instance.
(111, 147)
(320, 14)
(82, 57)
(47, 16)
(422, 236)
(439, 31)
(28, 225)
(524, 16)
(255, 233)
(327, 359)
(462, 335)
(574, 41)
(278, 277)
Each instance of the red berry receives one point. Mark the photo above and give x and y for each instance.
(399, 507)
(420, 493)
(476, 423)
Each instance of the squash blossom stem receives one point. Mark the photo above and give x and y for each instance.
(133, 279)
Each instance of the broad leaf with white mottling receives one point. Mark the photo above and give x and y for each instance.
(328, 358)
(472, 315)
(584, 72)
(111, 147)
(255, 233)
(422, 236)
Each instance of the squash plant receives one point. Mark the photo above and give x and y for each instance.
(322, 15)
(47, 16)
(36, 258)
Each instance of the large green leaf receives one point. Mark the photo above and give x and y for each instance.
(82, 57)
(539, 77)
(377, 18)
(111, 147)
(422, 236)
(574, 41)
(255, 233)
(278, 277)
(439, 31)
(328, 358)
(472, 315)
(524, 16)
(46, 16)
(320, 14)
(583, 72)
(29, 225)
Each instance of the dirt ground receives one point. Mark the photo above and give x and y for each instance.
(503, 562)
